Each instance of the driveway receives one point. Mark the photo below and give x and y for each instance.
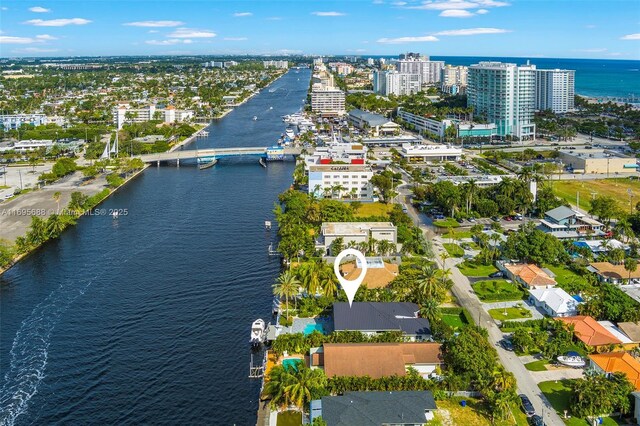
(557, 374)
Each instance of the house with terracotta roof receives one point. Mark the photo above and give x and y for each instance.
(617, 362)
(590, 332)
(376, 359)
(528, 274)
(379, 273)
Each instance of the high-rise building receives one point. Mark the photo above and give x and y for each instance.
(328, 101)
(429, 70)
(555, 90)
(276, 64)
(396, 83)
(454, 79)
(370, 61)
(504, 94)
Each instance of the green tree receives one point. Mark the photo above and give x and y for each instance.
(288, 286)
(630, 265)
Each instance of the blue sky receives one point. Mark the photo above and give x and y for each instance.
(536, 28)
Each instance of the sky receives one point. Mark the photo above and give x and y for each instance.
(599, 29)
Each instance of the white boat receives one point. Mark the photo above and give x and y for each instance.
(270, 107)
(289, 133)
(115, 214)
(571, 361)
(255, 117)
(258, 329)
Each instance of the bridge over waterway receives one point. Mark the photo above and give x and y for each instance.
(204, 155)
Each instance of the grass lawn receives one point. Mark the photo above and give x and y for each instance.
(497, 290)
(446, 223)
(453, 320)
(565, 277)
(537, 365)
(476, 413)
(373, 209)
(558, 393)
(472, 270)
(512, 313)
(454, 250)
(289, 418)
(616, 188)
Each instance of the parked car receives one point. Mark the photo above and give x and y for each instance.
(498, 274)
(518, 217)
(536, 420)
(438, 216)
(508, 218)
(495, 219)
(472, 219)
(460, 220)
(527, 406)
(506, 344)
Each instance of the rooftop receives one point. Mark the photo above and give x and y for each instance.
(379, 273)
(620, 362)
(353, 228)
(377, 359)
(609, 270)
(593, 153)
(371, 118)
(556, 298)
(562, 212)
(380, 316)
(531, 274)
(631, 329)
(590, 331)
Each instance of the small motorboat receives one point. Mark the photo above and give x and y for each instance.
(572, 359)
(258, 329)
(270, 107)
(255, 117)
(115, 214)
(207, 164)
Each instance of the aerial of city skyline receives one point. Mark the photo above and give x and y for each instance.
(377, 27)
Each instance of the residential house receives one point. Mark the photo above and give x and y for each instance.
(376, 124)
(379, 273)
(613, 274)
(353, 233)
(529, 275)
(636, 413)
(401, 408)
(599, 247)
(617, 362)
(372, 318)
(554, 301)
(565, 223)
(631, 330)
(590, 332)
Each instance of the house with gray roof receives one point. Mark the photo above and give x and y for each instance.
(372, 318)
(566, 223)
(375, 124)
(402, 408)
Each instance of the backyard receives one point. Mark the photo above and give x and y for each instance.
(451, 413)
(566, 278)
(454, 317)
(497, 290)
(454, 250)
(501, 314)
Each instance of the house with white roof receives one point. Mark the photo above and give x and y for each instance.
(554, 301)
(566, 223)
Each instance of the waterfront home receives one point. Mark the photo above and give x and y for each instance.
(554, 301)
(400, 408)
(376, 359)
(613, 274)
(617, 362)
(372, 318)
(599, 247)
(379, 273)
(529, 275)
(565, 223)
(591, 332)
(375, 124)
(353, 233)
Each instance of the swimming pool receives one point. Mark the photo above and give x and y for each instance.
(311, 327)
(291, 363)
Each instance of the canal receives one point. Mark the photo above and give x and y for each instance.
(145, 319)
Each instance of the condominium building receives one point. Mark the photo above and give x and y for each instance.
(504, 94)
(396, 83)
(328, 102)
(341, 180)
(276, 64)
(14, 121)
(555, 90)
(429, 71)
(464, 129)
(124, 113)
(454, 79)
(435, 152)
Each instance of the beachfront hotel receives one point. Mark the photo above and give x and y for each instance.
(555, 90)
(504, 94)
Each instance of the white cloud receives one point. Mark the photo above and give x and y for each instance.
(328, 13)
(191, 33)
(472, 31)
(635, 36)
(154, 24)
(456, 13)
(482, 11)
(458, 4)
(35, 50)
(169, 42)
(57, 22)
(153, 31)
(615, 54)
(39, 9)
(3, 8)
(25, 40)
(242, 14)
(397, 40)
(235, 39)
(399, 3)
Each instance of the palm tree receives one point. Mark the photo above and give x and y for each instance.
(470, 189)
(503, 380)
(55, 225)
(310, 275)
(630, 265)
(306, 384)
(428, 284)
(287, 285)
(56, 197)
(329, 283)
(624, 229)
(444, 256)
(430, 310)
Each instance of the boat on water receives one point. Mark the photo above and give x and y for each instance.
(207, 164)
(258, 329)
(289, 133)
(572, 359)
(271, 107)
(255, 117)
(115, 214)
